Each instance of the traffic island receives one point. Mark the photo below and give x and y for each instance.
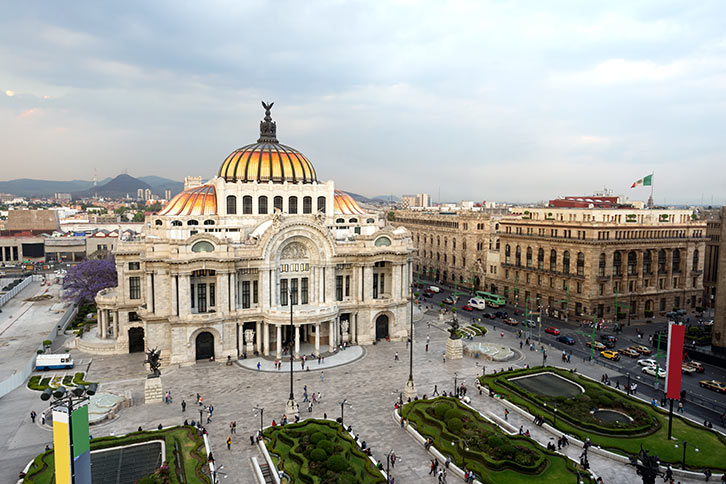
(581, 407)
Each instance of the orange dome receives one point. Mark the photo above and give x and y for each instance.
(267, 160)
(346, 205)
(200, 200)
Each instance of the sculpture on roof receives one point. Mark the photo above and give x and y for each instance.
(268, 128)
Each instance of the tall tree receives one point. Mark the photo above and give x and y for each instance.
(84, 280)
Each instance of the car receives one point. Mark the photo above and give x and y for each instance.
(687, 369)
(714, 385)
(610, 355)
(629, 352)
(488, 315)
(467, 307)
(696, 366)
(650, 370)
(511, 321)
(552, 330)
(531, 323)
(647, 362)
(569, 340)
(643, 350)
(477, 303)
(608, 337)
(598, 346)
(451, 300)
(427, 295)
(501, 314)
(434, 289)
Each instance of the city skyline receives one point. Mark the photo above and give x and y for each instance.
(490, 101)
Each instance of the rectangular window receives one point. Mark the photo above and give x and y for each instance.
(191, 291)
(602, 289)
(245, 294)
(283, 292)
(339, 288)
(579, 288)
(304, 290)
(254, 292)
(134, 266)
(212, 295)
(134, 288)
(375, 286)
(134, 316)
(347, 286)
(202, 298)
(293, 291)
(382, 280)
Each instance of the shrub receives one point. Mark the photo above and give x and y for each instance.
(441, 409)
(452, 413)
(336, 463)
(326, 445)
(316, 437)
(454, 425)
(347, 479)
(318, 455)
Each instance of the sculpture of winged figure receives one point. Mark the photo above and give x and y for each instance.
(152, 358)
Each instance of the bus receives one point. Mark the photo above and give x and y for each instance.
(492, 300)
(53, 362)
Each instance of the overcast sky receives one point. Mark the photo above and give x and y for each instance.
(476, 100)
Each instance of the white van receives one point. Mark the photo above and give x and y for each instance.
(53, 362)
(477, 303)
(434, 289)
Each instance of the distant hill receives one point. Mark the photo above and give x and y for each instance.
(386, 198)
(118, 187)
(28, 187)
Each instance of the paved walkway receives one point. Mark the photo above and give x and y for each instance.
(371, 384)
(331, 360)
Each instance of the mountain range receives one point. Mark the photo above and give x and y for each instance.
(116, 187)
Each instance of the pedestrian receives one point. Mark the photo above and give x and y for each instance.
(32, 416)
(252, 440)
(211, 409)
(310, 407)
(322, 376)
(229, 442)
(184, 406)
(436, 390)
(506, 414)
(443, 357)
(393, 459)
(395, 357)
(680, 407)
(258, 366)
(42, 419)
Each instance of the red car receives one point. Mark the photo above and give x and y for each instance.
(466, 307)
(552, 330)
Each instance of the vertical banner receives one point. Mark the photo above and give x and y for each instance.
(61, 446)
(674, 362)
(81, 445)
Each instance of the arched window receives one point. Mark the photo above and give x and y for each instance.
(262, 205)
(292, 205)
(453, 243)
(529, 256)
(518, 256)
(231, 205)
(507, 253)
(321, 204)
(209, 222)
(617, 261)
(192, 222)
(676, 265)
(353, 221)
(566, 262)
(158, 222)
(695, 260)
(553, 260)
(438, 241)
(247, 205)
(339, 220)
(307, 204)
(540, 259)
(580, 264)
(372, 221)
(446, 242)
(277, 203)
(632, 262)
(661, 261)
(463, 244)
(601, 266)
(176, 223)
(497, 245)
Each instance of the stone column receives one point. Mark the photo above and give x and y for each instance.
(258, 332)
(331, 337)
(102, 324)
(396, 283)
(279, 341)
(297, 340)
(185, 297)
(222, 290)
(317, 339)
(266, 337)
(116, 324)
(99, 315)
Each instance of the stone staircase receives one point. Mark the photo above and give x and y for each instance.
(266, 473)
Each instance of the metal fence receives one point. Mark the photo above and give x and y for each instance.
(14, 291)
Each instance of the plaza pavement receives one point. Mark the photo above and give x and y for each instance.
(371, 384)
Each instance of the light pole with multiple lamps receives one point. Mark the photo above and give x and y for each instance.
(685, 445)
(409, 391)
(342, 414)
(291, 407)
(261, 411)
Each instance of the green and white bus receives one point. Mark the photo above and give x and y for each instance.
(492, 300)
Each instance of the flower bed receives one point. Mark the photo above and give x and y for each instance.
(320, 451)
(712, 445)
(478, 445)
(40, 383)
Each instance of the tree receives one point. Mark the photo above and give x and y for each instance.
(139, 217)
(84, 280)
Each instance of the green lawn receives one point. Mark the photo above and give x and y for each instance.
(711, 445)
(478, 445)
(190, 445)
(320, 451)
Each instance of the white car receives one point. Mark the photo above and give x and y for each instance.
(434, 289)
(477, 303)
(647, 362)
(650, 370)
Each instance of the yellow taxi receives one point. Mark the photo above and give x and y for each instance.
(610, 355)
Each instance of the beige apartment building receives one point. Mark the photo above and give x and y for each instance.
(586, 263)
(715, 280)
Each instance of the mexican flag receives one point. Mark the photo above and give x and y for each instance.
(645, 181)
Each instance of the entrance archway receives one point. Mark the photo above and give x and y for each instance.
(382, 327)
(136, 340)
(205, 345)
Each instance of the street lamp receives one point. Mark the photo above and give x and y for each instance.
(64, 402)
(456, 387)
(466, 448)
(685, 445)
(218, 470)
(410, 388)
(342, 406)
(555, 419)
(291, 408)
(388, 464)
(261, 411)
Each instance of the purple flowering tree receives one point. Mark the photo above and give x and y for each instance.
(83, 281)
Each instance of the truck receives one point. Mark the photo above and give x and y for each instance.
(53, 362)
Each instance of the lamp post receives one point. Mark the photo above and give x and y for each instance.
(683, 461)
(388, 465)
(466, 448)
(410, 388)
(456, 388)
(65, 402)
(261, 411)
(555, 419)
(342, 406)
(291, 407)
(201, 411)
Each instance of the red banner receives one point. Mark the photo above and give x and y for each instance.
(674, 362)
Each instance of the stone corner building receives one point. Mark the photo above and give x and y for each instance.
(216, 271)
